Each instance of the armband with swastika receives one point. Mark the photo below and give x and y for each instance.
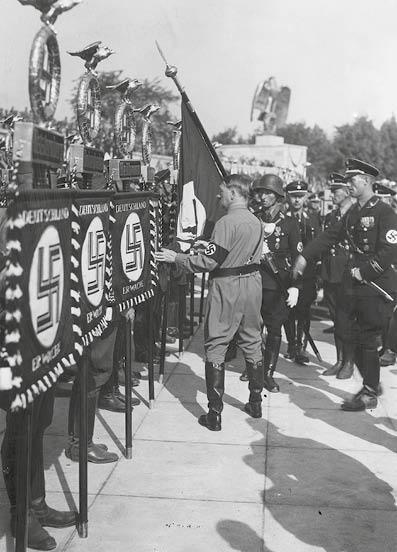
(216, 252)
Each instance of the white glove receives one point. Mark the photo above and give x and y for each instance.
(109, 314)
(293, 294)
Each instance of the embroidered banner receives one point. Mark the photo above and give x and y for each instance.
(134, 239)
(91, 212)
(39, 339)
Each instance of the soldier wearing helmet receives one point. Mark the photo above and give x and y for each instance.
(282, 245)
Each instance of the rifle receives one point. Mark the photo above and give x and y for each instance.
(268, 257)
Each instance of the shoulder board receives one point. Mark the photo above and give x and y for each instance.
(305, 214)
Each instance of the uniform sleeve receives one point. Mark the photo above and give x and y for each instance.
(295, 246)
(324, 240)
(386, 248)
(215, 253)
(294, 239)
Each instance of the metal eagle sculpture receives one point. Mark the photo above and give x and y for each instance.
(51, 9)
(270, 105)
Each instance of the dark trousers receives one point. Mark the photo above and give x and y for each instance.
(330, 298)
(301, 312)
(43, 409)
(274, 311)
(360, 320)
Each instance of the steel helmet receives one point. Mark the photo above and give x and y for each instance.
(270, 182)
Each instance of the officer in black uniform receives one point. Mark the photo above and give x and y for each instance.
(333, 265)
(389, 336)
(281, 246)
(370, 226)
(299, 318)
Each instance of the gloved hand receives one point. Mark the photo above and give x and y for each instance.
(293, 294)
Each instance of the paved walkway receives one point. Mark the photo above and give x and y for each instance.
(307, 477)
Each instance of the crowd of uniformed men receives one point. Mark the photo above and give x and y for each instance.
(278, 264)
(267, 258)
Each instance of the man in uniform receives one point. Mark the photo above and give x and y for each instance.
(234, 295)
(314, 207)
(389, 335)
(298, 322)
(281, 247)
(333, 265)
(370, 226)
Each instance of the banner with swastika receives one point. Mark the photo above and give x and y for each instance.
(134, 239)
(91, 207)
(39, 337)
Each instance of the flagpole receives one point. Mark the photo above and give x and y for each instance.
(171, 72)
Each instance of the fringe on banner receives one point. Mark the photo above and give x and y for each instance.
(10, 356)
(109, 258)
(136, 300)
(153, 244)
(95, 332)
(42, 385)
(74, 282)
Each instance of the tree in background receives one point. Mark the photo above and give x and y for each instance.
(360, 139)
(230, 136)
(151, 92)
(320, 150)
(388, 137)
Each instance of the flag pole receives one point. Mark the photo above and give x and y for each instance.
(171, 72)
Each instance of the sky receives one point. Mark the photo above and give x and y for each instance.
(337, 56)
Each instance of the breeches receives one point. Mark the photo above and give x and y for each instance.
(233, 305)
(274, 311)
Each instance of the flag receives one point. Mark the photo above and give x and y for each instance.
(199, 179)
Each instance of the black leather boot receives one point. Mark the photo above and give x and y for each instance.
(114, 401)
(333, 371)
(255, 386)
(215, 382)
(38, 538)
(347, 367)
(48, 517)
(301, 355)
(270, 358)
(290, 333)
(97, 454)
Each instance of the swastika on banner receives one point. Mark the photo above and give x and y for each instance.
(132, 248)
(93, 260)
(46, 285)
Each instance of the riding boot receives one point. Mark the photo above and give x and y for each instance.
(48, 517)
(97, 453)
(38, 537)
(290, 333)
(215, 382)
(255, 386)
(333, 371)
(301, 342)
(270, 358)
(347, 367)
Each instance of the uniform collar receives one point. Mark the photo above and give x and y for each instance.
(374, 200)
(237, 206)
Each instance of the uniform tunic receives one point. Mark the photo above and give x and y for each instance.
(333, 265)
(309, 228)
(284, 245)
(233, 302)
(372, 235)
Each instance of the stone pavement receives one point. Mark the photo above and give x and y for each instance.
(307, 477)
